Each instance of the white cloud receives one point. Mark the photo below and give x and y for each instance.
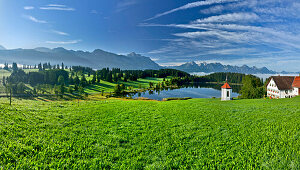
(28, 7)
(63, 42)
(249, 32)
(213, 9)
(191, 5)
(234, 17)
(60, 33)
(34, 19)
(57, 7)
(125, 4)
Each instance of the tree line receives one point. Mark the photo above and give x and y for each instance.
(60, 77)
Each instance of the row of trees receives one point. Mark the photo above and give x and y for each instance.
(40, 66)
(221, 77)
(60, 79)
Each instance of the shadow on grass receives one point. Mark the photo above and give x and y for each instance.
(99, 87)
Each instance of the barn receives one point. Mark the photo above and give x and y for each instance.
(283, 87)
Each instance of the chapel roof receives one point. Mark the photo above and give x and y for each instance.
(226, 86)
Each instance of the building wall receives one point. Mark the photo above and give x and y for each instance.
(287, 93)
(295, 92)
(224, 94)
(272, 90)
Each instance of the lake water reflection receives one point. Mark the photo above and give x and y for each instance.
(193, 91)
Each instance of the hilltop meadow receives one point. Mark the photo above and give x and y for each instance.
(134, 134)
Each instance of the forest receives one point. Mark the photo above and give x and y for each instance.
(60, 79)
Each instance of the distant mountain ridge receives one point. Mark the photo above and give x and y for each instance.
(102, 59)
(97, 59)
(2, 48)
(191, 67)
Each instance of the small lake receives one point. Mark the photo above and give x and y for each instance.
(193, 92)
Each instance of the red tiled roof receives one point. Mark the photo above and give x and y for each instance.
(226, 86)
(296, 82)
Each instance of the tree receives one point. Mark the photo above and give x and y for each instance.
(20, 88)
(76, 80)
(83, 81)
(125, 78)
(109, 77)
(40, 67)
(117, 89)
(70, 89)
(61, 80)
(80, 90)
(62, 90)
(56, 90)
(94, 78)
(252, 88)
(98, 77)
(5, 66)
(14, 67)
(62, 66)
(116, 78)
(122, 87)
(76, 87)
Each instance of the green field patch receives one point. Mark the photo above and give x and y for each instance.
(116, 134)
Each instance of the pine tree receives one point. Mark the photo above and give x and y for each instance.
(40, 67)
(117, 89)
(94, 79)
(76, 80)
(83, 81)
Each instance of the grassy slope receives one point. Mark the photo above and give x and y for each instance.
(104, 85)
(6, 74)
(109, 87)
(119, 134)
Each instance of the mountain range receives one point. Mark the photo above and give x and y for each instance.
(97, 59)
(2, 48)
(101, 59)
(191, 67)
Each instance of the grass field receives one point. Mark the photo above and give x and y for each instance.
(109, 87)
(97, 88)
(6, 74)
(118, 134)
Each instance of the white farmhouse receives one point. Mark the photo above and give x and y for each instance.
(283, 87)
(226, 92)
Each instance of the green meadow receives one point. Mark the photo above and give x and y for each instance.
(132, 134)
(109, 87)
(4, 73)
(95, 88)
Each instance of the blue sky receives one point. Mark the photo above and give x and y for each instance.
(171, 32)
